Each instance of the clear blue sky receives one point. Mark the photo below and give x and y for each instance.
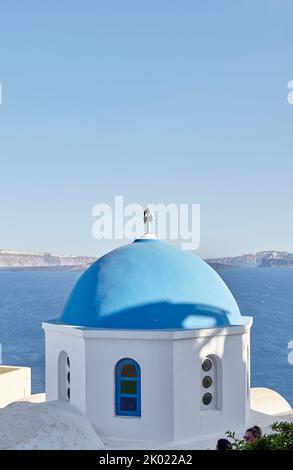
(159, 101)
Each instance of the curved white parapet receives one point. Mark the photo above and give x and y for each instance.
(267, 401)
(15, 384)
(49, 425)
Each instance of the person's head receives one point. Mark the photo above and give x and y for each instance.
(224, 444)
(252, 434)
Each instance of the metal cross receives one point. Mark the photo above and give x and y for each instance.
(148, 219)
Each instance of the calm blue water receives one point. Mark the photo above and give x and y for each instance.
(28, 298)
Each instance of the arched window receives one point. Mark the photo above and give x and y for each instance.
(127, 388)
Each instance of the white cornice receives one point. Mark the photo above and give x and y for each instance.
(95, 333)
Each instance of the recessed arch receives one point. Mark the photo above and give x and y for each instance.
(211, 383)
(63, 376)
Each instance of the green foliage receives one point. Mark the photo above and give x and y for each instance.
(281, 438)
(237, 444)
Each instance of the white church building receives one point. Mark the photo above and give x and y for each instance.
(150, 352)
(151, 347)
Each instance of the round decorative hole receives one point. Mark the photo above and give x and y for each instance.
(68, 393)
(207, 365)
(207, 381)
(68, 378)
(68, 361)
(207, 398)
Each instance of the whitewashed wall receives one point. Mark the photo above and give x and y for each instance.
(170, 365)
(155, 360)
(15, 384)
(74, 346)
(232, 388)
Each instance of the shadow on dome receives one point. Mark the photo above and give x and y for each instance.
(166, 316)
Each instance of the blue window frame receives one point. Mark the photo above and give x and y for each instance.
(127, 388)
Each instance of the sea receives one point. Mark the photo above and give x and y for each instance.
(27, 298)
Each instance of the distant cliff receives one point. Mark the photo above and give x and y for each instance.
(21, 260)
(261, 259)
(17, 259)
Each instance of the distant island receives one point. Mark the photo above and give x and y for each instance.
(261, 259)
(17, 260)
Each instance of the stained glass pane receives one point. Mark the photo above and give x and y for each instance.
(207, 381)
(207, 365)
(207, 398)
(128, 386)
(128, 404)
(128, 370)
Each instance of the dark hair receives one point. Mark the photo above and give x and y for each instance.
(224, 444)
(256, 431)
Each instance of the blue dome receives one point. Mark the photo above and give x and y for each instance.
(150, 285)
